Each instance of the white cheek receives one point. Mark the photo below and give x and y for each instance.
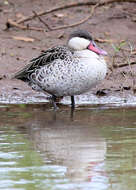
(77, 43)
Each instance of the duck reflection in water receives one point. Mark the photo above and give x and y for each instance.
(78, 145)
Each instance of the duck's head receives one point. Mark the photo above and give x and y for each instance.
(82, 40)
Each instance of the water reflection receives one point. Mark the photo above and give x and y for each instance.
(77, 145)
(95, 150)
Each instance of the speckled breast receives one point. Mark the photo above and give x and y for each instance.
(63, 78)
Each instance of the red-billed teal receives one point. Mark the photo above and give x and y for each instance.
(67, 70)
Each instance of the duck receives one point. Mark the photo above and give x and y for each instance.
(66, 70)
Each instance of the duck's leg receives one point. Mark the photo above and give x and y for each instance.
(72, 102)
(53, 98)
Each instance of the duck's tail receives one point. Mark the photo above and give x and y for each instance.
(22, 74)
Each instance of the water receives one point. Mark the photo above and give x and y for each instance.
(93, 150)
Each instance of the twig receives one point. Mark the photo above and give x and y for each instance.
(56, 9)
(15, 24)
(48, 27)
(79, 22)
(103, 40)
(35, 28)
(105, 2)
(125, 64)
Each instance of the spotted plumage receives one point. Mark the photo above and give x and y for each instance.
(66, 70)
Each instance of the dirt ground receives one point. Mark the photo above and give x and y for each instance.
(113, 26)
